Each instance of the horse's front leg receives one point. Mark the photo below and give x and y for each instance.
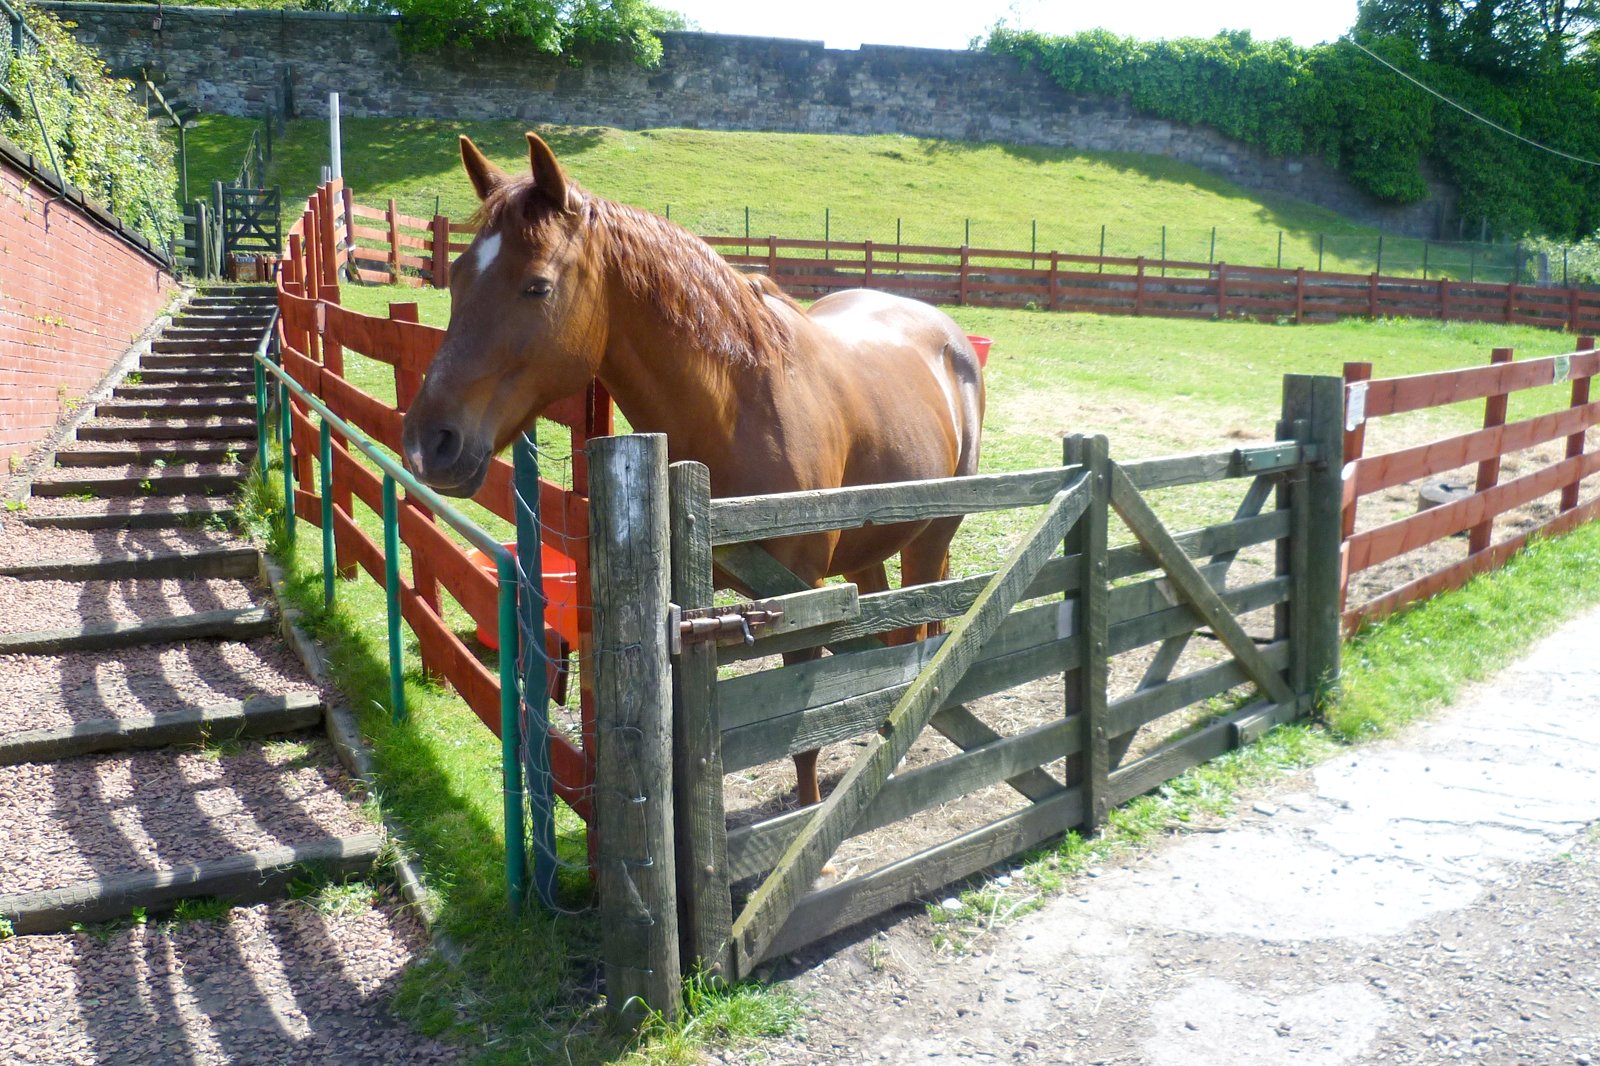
(805, 762)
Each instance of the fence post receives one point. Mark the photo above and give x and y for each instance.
(1572, 309)
(1055, 279)
(1222, 290)
(772, 256)
(1444, 299)
(633, 806)
(1138, 288)
(1089, 696)
(1372, 296)
(706, 912)
(866, 280)
(1511, 296)
(441, 252)
(1494, 414)
(393, 219)
(1580, 398)
(965, 264)
(1313, 410)
(1354, 443)
(1299, 295)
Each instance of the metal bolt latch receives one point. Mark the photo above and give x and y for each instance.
(719, 625)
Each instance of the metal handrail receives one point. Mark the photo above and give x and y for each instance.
(505, 568)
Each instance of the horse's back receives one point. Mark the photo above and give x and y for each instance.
(916, 372)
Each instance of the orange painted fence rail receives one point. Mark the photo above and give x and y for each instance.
(1473, 514)
(315, 333)
(387, 247)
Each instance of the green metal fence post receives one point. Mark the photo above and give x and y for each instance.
(325, 489)
(511, 735)
(263, 459)
(391, 597)
(286, 438)
(535, 683)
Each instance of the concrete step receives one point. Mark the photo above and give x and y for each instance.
(230, 361)
(169, 429)
(145, 481)
(195, 563)
(146, 513)
(156, 392)
(197, 376)
(258, 716)
(173, 451)
(243, 407)
(175, 346)
(228, 624)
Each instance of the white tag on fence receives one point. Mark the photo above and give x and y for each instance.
(1355, 405)
(1561, 370)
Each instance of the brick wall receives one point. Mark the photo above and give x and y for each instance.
(74, 293)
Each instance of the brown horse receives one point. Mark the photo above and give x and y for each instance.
(561, 286)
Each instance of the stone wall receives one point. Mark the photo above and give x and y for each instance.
(75, 292)
(233, 61)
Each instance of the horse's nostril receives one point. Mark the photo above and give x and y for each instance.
(446, 446)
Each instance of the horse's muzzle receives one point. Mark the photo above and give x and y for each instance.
(441, 457)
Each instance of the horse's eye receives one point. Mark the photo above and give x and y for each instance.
(538, 287)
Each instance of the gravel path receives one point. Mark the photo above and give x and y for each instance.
(1431, 899)
(34, 606)
(269, 985)
(53, 691)
(22, 544)
(86, 817)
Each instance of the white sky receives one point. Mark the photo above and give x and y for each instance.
(947, 24)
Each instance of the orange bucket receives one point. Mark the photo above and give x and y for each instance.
(560, 576)
(981, 346)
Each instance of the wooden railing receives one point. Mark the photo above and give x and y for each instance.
(1481, 451)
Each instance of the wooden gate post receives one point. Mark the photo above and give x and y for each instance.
(1093, 598)
(1313, 412)
(633, 808)
(1580, 398)
(706, 911)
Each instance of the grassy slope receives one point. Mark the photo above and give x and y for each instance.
(216, 150)
(867, 183)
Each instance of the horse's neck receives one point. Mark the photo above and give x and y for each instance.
(663, 381)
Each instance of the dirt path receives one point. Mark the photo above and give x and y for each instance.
(1431, 899)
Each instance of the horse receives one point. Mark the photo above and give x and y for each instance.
(560, 286)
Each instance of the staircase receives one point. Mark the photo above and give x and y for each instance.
(157, 741)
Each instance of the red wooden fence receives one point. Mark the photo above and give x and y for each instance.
(315, 332)
(1475, 513)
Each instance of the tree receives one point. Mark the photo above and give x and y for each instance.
(1493, 37)
(551, 26)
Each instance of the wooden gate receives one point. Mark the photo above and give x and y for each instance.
(1064, 602)
(251, 222)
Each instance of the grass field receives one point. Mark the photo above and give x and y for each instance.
(854, 188)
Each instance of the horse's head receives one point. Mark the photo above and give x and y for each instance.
(527, 322)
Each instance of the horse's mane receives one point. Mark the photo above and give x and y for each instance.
(724, 311)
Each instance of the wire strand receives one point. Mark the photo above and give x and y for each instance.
(1468, 111)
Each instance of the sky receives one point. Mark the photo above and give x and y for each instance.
(947, 24)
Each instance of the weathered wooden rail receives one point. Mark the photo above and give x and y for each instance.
(1062, 604)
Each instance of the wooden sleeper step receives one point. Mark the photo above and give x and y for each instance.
(106, 516)
(170, 450)
(223, 562)
(241, 408)
(250, 877)
(169, 429)
(258, 716)
(149, 483)
(230, 624)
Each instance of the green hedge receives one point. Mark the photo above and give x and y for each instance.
(1379, 130)
(101, 136)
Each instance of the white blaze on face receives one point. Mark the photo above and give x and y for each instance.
(484, 257)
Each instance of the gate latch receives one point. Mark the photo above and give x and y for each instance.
(734, 624)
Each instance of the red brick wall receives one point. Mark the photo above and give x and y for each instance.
(73, 295)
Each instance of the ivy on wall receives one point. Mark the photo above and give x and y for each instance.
(101, 137)
(1379, 130)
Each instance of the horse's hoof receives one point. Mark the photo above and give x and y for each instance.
(829, 870)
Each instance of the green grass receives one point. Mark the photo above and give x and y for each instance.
(863, 185)
(216, 150)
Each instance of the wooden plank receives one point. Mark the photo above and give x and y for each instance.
(1170, 760)
(1415, 392)
(751, 518)
(628, 542)
(705, 910)
(1173, 471)
(754, 849)
(818, 914)
(1144, 525)
(769, 906)
(1371, 547)
(1147, 705)
(1494, 414)
(1580, 401)
(799, 616)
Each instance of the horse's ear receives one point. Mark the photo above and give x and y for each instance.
(484, 175)
(548, 177)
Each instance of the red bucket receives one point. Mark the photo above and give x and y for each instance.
(560, 592)
(981, 346)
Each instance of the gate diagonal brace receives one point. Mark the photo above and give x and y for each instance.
(719, 625)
